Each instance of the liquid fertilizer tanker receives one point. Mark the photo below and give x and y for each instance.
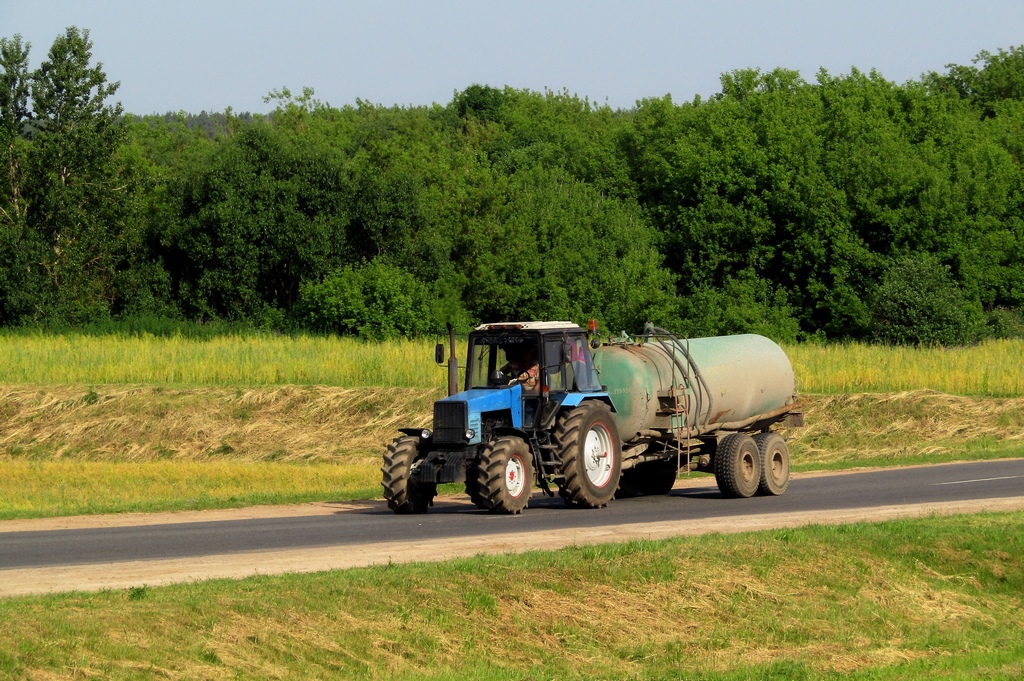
(547, 404)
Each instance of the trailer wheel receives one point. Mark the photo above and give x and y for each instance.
(506, 475)
(401, 494)
(737, 465)
(591, 455)
(774, 463)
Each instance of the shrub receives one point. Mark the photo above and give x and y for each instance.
(375, 301)
(1004, 323)
(918, 303)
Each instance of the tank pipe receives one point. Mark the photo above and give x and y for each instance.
(702, 383)
(696, 370)
(671, 353)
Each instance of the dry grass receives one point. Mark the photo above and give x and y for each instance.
(145, 423)
(67, 450)
(348, 425)
(904, 426)
(78, 449)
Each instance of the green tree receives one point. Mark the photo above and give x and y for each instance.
(254, 220)
(79, 211)
(16, 283)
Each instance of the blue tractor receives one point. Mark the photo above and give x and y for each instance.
(533, 412)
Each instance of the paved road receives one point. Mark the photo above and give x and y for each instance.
(454, 520)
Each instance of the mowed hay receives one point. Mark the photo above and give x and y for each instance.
(326, 424)
(875, 427)
(144, 423)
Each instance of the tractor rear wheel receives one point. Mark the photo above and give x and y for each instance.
(774, 463)
(591, 455)
(737, 465)
(506, 475)
(402, 495)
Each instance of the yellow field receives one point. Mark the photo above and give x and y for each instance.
(224, 361)
(993, 368)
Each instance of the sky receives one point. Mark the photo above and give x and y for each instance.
(189, 55)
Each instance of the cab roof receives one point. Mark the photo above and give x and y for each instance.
(530, 326)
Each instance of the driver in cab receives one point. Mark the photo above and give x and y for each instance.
(522, 366)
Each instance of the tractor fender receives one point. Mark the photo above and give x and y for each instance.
(576, 399)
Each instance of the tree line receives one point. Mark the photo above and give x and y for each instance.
(846, 207)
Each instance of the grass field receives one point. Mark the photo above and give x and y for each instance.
(993, 368)
(33, 489)
(937, 598)
(235, 361)
(239, 420)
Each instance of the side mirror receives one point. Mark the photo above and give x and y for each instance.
(439, 353)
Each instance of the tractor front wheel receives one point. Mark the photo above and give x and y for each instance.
(473, 487)
(402, 495)
(506, 475)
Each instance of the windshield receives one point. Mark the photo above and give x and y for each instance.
(497, 360)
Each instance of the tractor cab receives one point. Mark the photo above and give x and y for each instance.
(540, 363)
(518, 376)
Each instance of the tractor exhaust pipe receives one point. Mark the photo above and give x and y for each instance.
(453, 363)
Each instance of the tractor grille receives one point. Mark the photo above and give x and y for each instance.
(450, 422)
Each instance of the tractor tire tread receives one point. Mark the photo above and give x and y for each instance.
(568, 433)
(402, 498)
(493, 492)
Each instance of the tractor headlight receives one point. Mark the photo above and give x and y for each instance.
(425, 433)
(470, 434)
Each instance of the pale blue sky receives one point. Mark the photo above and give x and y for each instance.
(207, 55)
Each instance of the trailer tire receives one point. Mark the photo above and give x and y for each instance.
(737, 465)
(774, 463)
(590, 453)
(506, 475)
(402, 495)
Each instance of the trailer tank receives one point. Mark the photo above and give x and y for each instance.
(699, 385)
